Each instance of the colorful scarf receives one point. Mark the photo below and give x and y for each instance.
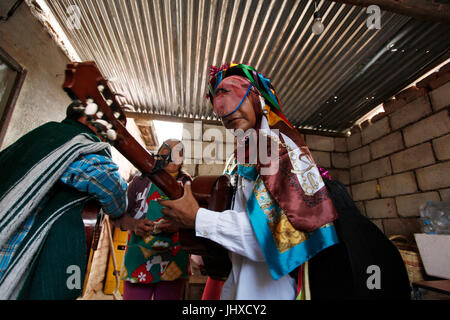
(290, 209)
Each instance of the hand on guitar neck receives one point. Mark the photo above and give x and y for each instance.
(180, 212)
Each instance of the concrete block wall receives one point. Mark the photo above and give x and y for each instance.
(330, 153)
(207, 148)
(400, 159)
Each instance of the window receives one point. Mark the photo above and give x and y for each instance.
(168, 130)
(12, 76)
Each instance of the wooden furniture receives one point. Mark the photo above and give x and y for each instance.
(440, 286)
(194, 287)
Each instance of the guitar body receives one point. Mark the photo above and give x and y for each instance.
(93, 222)
(213, 193)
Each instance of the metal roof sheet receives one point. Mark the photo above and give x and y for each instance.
(157, 53)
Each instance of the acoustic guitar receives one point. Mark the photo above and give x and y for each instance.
(93, 222)
(84, 82)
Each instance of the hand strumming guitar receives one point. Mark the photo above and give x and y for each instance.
(181, 212)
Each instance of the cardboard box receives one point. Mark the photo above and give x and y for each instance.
(435, 253)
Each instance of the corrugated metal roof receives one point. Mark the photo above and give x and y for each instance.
(158, 53)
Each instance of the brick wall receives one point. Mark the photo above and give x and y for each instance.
(400, 159)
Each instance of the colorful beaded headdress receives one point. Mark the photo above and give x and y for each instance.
(259, 81)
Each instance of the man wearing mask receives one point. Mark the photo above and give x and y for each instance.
(290, 233)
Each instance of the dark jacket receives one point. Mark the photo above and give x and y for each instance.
(344, 271)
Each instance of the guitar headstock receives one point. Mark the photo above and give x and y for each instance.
(85, 83)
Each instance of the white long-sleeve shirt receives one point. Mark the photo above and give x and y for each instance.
(250, 277)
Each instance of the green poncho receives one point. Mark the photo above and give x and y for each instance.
(30, 173)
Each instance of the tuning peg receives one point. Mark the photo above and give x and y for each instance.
(112, 135)
(99, 114)
(103, 122)
(101, 88)
(112, 79)
(117, 115)
(127, 107)
(119, 94)
(109, 102)
(91, 109)
(101, 125)
(79, 108)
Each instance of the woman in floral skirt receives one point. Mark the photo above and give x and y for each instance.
(155, 266)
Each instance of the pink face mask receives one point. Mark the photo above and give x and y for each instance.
(229, 95)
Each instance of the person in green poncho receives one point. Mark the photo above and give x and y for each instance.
(48, 175)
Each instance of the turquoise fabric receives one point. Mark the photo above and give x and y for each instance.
(283, 251)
